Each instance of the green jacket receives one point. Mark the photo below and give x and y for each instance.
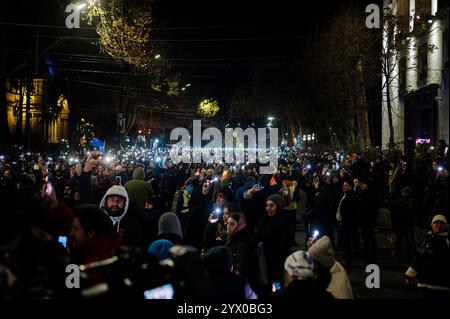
(138, 190)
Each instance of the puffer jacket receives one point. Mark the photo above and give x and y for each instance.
(432, 264)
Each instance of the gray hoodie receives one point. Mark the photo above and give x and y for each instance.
(119, 191)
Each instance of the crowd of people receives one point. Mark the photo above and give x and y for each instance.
(234, 229)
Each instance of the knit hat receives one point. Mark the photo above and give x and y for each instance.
(299, 265)
(322, 252)
(278, 200)
(169, 224)
(218, 259)
(439, 218)
(160, 248)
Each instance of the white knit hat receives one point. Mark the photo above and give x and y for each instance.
(439, 218)
(299, 265)
(322, 252)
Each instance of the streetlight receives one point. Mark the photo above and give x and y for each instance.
(158, 56)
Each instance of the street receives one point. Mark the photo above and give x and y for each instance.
(392, 278)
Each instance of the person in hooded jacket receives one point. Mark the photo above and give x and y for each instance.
(115, 204)
(139, 191)
(272, 232)
(198, 214)
(254, 202)
(169, 228)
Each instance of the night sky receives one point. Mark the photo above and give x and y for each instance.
(214, 45)
(269, 36)
(275, 35)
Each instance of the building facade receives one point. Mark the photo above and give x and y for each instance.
(418, 82)
(54, 130)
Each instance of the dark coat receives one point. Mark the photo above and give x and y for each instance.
(369, 213)
(404, 213)
(173, 238)
(243, 246)
(224, 286)
(130, 231)
(433, 261)
(272, 231)
(197, 217)
(322, 214)
(351, 210)
(254, 208)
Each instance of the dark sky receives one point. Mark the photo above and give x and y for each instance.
(238, 37)
(214, 45)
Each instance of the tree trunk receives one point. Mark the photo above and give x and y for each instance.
(350, 120)
(363, 117)
(131, 119)
(391, 125)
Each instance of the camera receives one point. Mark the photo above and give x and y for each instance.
(134, 273)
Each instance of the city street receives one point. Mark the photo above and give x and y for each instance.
(217, 151)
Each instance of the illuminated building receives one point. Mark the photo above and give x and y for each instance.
(419, 80)
(53, 130)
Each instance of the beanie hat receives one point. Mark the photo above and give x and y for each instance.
(278, 200)
(160, 248)
(439, 218)
(322, 252)
(218, 259)
(169, 224)
(299, 265)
